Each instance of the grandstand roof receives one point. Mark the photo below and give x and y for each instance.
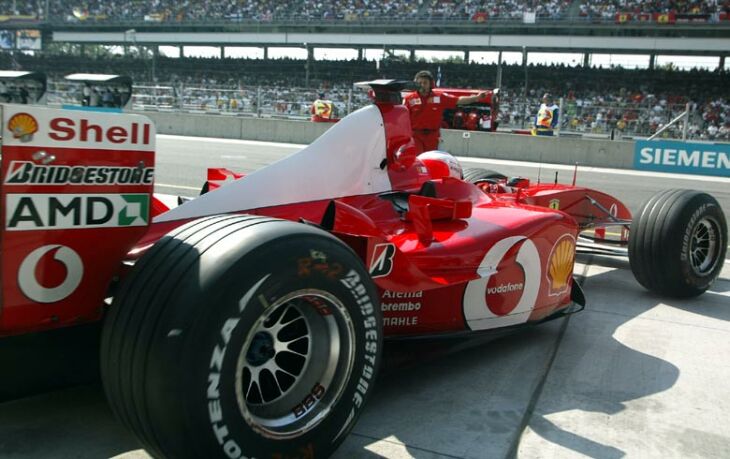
(99, 78)
(15, 74)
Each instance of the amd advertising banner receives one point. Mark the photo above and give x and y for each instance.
(682, 157)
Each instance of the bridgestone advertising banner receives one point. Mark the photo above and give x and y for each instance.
(682, 157)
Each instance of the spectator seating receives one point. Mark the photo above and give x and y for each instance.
(352, 10)
(594, 99)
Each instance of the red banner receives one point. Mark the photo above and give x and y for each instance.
(665, 18)
(623, 17)
(480, 16)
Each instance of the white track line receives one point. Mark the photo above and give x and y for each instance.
(182, 187)
(234, 141)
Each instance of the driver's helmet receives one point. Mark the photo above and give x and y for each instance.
(441, 164)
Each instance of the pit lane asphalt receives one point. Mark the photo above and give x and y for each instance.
(632, 375)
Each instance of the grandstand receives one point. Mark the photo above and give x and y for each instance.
(354, 10)
(596, 100)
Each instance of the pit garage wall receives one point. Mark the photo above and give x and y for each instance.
(563, 150)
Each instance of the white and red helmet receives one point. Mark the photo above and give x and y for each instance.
(441, 164)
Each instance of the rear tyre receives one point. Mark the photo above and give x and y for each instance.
(474, 175)
(678, 242)
(242, 336)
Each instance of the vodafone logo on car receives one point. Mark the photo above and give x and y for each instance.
(505, 288)
(508, 286)
(61, 268)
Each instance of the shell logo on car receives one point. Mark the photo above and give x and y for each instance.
(67, 129)
(560, 265)
(23, 126)
(43, 127)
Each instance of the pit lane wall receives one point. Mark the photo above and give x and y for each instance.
(558, 150)
(555, 150)
(235, 127)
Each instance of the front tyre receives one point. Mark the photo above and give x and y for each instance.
(240, 336)
(477, 174)
(678, 242)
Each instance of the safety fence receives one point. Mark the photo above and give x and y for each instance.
(577, 117)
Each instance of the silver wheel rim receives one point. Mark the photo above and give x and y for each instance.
(705, 245)
(295, 363)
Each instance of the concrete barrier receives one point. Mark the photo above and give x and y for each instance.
(236, 127)
(557, 150)
(560, 150)
(196, 125)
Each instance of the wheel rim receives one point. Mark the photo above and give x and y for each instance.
(295, 363)
(705, 246)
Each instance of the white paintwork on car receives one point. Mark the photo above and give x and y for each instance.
(344, 161)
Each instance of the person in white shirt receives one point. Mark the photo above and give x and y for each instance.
(86, 95)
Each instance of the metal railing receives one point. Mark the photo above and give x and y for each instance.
(613, 120)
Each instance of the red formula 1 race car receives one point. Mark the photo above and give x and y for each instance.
(249, 321)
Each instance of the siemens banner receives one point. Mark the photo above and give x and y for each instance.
(682, 157)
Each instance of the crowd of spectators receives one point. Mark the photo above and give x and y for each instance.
(594, 99)
(496, 9)
(608, 9)
(626, 112)
(345, 10)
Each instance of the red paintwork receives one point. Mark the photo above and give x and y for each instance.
(100, 249)
(406, 172)
(462, 258)
(218, 175)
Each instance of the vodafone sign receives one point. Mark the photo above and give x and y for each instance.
(50, 258)
(40, 127)
(507, 290)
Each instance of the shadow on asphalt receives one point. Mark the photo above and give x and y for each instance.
(69, 358)
(591, 336)
(41, 362)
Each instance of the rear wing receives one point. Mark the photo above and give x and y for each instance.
(75, 197)
(387, 91)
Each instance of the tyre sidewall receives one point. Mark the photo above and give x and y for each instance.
(215, 413)
(687, 220)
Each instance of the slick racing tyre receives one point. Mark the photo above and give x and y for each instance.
(677, 243)
(487, 180)
(474, 175)
(242, 336)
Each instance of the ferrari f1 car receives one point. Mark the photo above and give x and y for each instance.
(249, 321)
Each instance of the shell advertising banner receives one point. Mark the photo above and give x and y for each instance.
(75, 196)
